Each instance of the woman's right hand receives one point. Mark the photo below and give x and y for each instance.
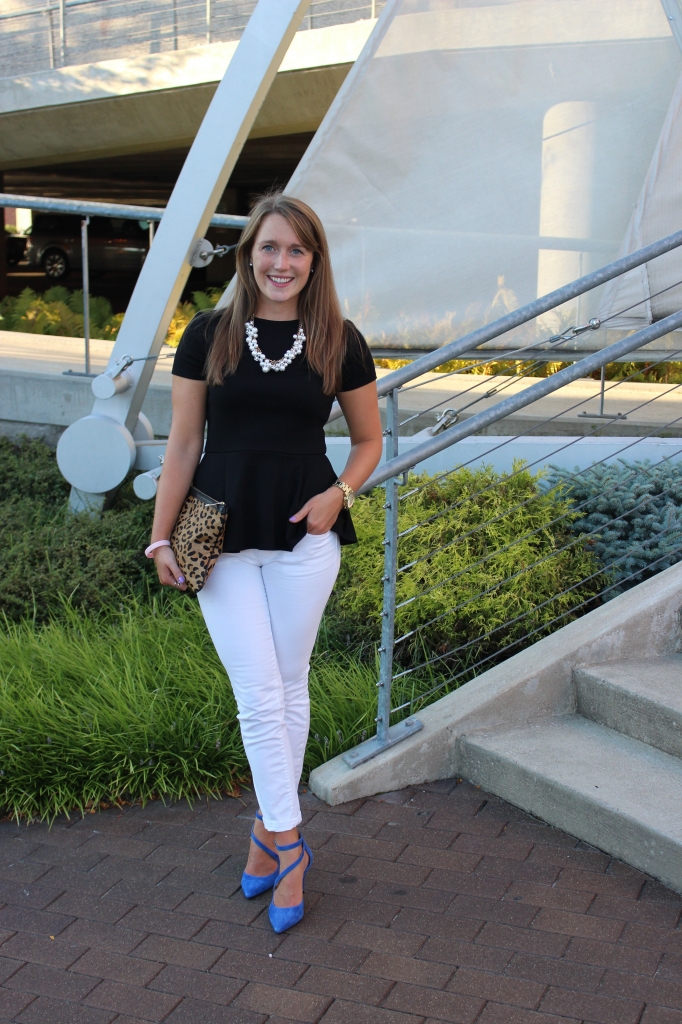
(168, 569)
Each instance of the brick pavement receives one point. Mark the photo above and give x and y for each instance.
(438, 903)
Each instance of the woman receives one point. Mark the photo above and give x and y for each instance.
(263, 374)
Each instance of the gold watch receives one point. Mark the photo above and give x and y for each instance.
(348, 493)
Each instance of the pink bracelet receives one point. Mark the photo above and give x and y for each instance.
(157, 544)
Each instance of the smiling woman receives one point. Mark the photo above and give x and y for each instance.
(263, 374)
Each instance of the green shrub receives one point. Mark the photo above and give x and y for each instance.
(28, 470)
(58, 312)
(502, 544)
(632, 512)
(48, 553)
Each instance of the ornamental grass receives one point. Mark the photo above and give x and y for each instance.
(137, 707)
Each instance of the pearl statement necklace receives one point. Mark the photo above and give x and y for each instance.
(273, 364)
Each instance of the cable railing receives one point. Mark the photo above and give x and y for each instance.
(478, 564)
(60, 33)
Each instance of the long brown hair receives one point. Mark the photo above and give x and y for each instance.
(318, 304)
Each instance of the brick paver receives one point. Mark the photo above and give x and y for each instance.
(436, 905)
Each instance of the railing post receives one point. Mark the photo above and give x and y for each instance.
(62, 32)
(387, 735)
(389, 577)
(209, 20)
(86, 290)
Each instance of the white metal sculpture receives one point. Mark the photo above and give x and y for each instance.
(96, 452)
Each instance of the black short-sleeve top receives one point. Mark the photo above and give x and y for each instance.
(265, 452)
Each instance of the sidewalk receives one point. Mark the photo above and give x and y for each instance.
(438, 903)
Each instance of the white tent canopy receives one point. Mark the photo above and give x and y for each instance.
(482, 153)
(653, 291)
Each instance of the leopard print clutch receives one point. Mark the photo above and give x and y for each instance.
(197, 538)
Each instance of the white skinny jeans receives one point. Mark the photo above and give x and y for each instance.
(263, 610)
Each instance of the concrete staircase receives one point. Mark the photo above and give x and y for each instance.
(611, 773)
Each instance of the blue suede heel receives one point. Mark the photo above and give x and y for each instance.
(254, 885)
(282, 918)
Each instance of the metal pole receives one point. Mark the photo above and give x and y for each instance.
(175, 24)
(386, 734)
(13, 199)
(374, 9)
(601, 415)
(672, 10)
(86, 290)
(209, 19)
(50, 41)
(62, 31)
(151, 233)
(389, 577)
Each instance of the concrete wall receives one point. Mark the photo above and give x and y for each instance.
(44, 404)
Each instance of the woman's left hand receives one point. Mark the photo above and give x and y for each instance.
(322, 510)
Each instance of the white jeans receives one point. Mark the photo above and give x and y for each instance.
(263, 610)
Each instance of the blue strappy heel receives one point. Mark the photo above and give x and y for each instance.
(254, 885)
(282, 918)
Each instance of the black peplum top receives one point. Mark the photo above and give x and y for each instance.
(265, 452)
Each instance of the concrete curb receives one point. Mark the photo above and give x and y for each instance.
(535, 684)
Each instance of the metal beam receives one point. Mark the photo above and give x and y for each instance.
(674, 16)
(83, 452)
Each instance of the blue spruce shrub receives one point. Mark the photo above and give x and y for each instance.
(633, 514)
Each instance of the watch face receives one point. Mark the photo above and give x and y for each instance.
(349, 500)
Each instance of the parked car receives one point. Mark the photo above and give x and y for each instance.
(14, 248)
(114, 243)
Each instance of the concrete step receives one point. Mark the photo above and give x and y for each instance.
(641, 699)
(614, 792)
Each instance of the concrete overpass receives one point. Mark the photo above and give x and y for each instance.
(157, 102)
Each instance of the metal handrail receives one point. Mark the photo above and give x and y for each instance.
(397, 464)
(181, 24)
(219, 220)
(522, 315)
(583, 368)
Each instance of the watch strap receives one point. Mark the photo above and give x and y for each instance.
(348, 492)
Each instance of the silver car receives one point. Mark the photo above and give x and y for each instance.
(114, 243)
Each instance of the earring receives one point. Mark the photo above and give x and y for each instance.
(250, 264)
